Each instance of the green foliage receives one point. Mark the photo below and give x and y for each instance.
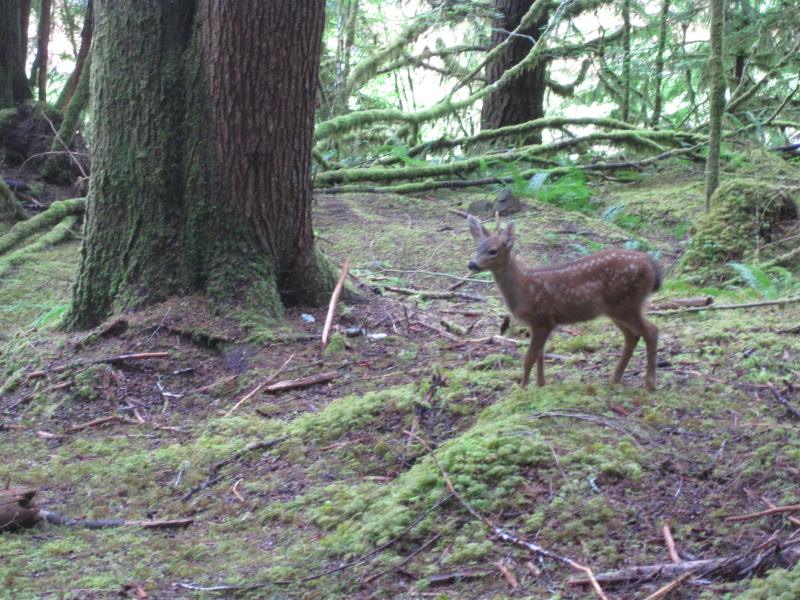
(569, 192)
(771, 283)
(780, 584)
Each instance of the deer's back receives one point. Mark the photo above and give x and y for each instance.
(607, 282)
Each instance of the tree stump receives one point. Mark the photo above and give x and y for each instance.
(17, 509)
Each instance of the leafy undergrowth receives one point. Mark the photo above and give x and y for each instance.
(586, 469)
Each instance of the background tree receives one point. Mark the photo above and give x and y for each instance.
(203, 123)
(716, 97)
(14, 86)
(522, 98)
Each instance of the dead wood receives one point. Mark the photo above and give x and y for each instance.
(669, 588)
(17, 509)
(725, 306)
(783, 401)
(764, 513)
(670, 542)
(301, 382)
(334, 299)
(433, 295)
(505, 535)
(791, 519)
(96, 361)
(255, 390)
(675, 303)
(746, 564)
(355, 562)
(236, 456)
(58, 519)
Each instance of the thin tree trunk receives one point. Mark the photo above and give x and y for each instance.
(659, 74)
(83, 51)
(43, 43)
(207, 186)
(14, 87)
(626, 61)
(716, 97)
(522, 98)
(24, 20)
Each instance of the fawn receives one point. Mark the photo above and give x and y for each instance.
(612, 282)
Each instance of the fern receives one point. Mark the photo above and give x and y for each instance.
(769, 283)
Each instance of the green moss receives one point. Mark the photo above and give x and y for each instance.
(780, 584)
(744, 213)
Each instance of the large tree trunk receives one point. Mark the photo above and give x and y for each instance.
(207, 186)
(80, 60)
(716, 97)
(14, 86)
(522, 98)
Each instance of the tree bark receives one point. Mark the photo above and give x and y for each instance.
(42, 44)
(80, 59)
(522, 98)
(626, 61)
(659, 74)
(716, 97)
(14, 87)
(207, 187)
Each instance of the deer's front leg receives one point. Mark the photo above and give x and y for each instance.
(535, 354)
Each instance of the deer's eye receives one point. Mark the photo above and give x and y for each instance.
(492, 253)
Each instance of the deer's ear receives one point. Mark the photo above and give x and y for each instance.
(508, 234)
(477, 230)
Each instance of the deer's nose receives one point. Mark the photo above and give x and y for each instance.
(473, 266)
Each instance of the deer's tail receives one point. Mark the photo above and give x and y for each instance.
(657, 271)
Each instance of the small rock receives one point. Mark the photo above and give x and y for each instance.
(308, 318)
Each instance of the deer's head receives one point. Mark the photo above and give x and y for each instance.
(494, 249)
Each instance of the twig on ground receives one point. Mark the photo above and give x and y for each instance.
(764, 513)
(301, 382)
(235, 491)
(432, 295)
(334, 299)
(791, 519)
(670, 587)
(256, 389)
(586, 417)
(341, 567)
(212, 473)
(403, 562)
(783, 401)
(503, 534)
(725, 306)
(57, 519)
(95, 361)
(673, 552)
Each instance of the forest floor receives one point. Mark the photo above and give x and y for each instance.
(342, 497)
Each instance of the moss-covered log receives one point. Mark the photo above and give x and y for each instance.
(10, 209)
(52, 216)
(206, 188)
(61, 232)
(634, 138)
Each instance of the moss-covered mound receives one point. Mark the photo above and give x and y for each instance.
(745, 215)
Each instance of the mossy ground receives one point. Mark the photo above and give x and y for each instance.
(587, 469)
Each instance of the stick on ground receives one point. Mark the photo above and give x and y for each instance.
(334, 299)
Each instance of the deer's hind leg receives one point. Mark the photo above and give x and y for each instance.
(641, 327)
(535, 354)
(631, 340)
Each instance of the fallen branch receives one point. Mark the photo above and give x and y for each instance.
(503, 534)
(746, 564)
(95, 361)
(326, 572)
(301, 382)
(783, 401)
(212, 475)
(255, 390)
(791, 519)
(676, 303)
(764, 513)
(726, 306)
(58, 519)
(334, 299)
(670, 542)
(57, 212)
(433, 295)
(670, 587)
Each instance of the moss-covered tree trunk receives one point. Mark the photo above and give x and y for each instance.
(625, 109)
(80, 60)
(716, 97)
(42, 48)
(203, 123)
(522, 98)
(659, 64)
(14, 86)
